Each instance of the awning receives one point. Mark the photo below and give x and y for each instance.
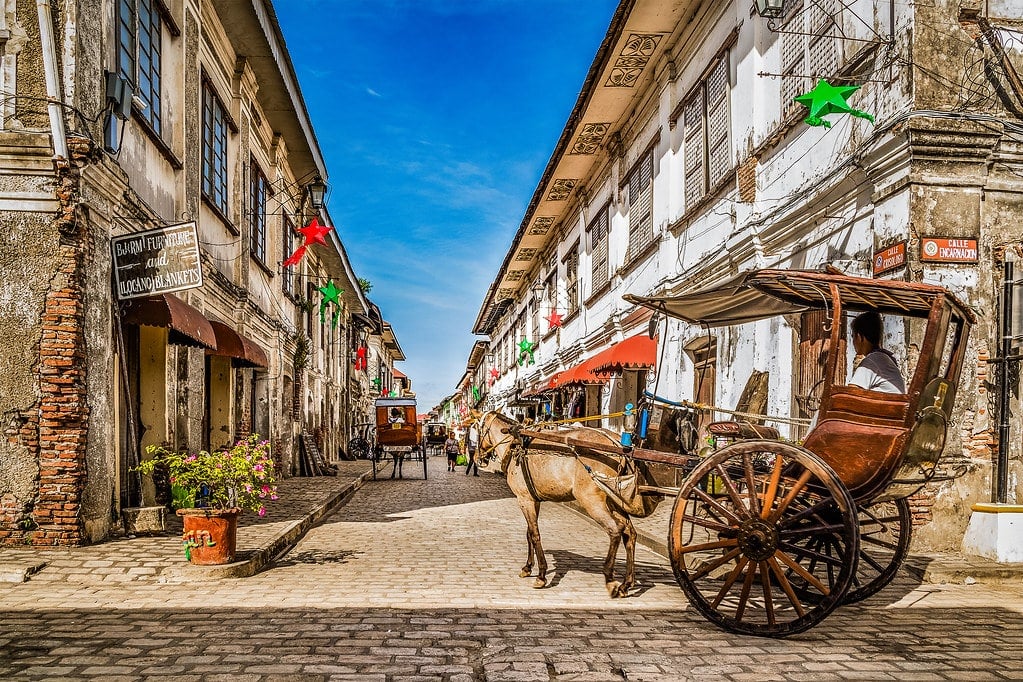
(759, 294)
(186, 326)
(397, 374)
(242, 350)
(635, 352)
(580, 374)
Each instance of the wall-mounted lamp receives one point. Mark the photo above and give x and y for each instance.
(538, 289)
(770, 9)
(316, 189)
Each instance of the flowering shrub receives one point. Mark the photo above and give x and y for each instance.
(240, 476)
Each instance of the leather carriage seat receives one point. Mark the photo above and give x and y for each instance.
(735, 429)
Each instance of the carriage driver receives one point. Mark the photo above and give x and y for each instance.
(877, 370)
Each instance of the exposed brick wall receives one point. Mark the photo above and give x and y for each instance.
(58, 430)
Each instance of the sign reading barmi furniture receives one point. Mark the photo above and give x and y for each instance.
(948, 250)
(156, 261)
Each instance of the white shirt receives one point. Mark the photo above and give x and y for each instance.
(878, 372)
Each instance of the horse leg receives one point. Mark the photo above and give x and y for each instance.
(630, 535)
(398, 460)
(531, 510)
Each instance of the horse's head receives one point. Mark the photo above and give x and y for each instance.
(495, 443)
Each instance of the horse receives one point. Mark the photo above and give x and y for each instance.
(537, 475)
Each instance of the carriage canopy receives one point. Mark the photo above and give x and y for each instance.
(760, 294)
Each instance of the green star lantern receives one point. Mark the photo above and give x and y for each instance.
(526, 348)
(829, 99)
(330, 296)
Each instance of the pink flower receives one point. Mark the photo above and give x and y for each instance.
(262, 511)
(258, 467)
(273, 496)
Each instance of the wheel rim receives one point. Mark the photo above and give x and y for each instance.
(885, 531)
(747, 538)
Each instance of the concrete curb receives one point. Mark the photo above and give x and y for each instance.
(269, 550)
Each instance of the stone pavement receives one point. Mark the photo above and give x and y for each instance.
(304, 502)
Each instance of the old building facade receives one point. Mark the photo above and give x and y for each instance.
(129, 117)
(686, 161)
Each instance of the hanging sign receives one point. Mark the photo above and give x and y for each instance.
(892, 258)
(156, 261)
(948, 250)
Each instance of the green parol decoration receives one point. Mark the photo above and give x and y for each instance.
(476, 393)
(330, 295)
(526, 349)
(829, 99)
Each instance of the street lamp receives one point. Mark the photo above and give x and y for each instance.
(770, 9)
(316, 189)
(538, 288)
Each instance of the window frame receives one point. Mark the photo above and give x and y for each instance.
(216, 127)
(289, 244)
(139, 56)
(571, 262)
(706, 119)
(639, 244)
(599, 230)
(260, 191)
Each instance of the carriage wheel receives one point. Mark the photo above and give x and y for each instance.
(740, 528)
(885, 531)
(358, 448)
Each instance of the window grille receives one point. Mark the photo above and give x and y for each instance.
(641, 199)
(571, 261)
(259, 189)
(214, 149)
(140, 53)
(599, 233)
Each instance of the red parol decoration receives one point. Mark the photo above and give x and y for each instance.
(554, 319)
(494, 373)
(314, 233)
(360, 358)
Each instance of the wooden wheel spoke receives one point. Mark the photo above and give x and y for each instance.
(720, 561)
(703, 546)
(765, 581)
(733, 493)
(729, 581)
(704, 522)
(717, 506)
(813, 554)
(865, 556)
(803, 573)
(812, 511)
(772, 488)
(786, 586)
(797, 488)
(747, 585)
(803, 531)
(751, 484)
(877, 542)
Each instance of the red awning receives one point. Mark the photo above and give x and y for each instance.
(186, 326)
(398, 375)
(635, 352)
(243, 350)
(580, 374)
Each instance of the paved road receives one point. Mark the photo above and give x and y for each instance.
(419, 580)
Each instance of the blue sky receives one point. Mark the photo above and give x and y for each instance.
(437, 118)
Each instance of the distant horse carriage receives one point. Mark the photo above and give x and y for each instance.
(398, 435)
(435, 434)
(766, 537)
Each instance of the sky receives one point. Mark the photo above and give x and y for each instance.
(436, 119)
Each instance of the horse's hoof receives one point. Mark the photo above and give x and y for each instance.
(539, 584)
(525, 572)
(615, 589)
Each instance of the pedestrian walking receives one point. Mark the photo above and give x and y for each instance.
(472, 441)
(452, 450)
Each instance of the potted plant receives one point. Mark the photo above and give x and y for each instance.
(217, 486)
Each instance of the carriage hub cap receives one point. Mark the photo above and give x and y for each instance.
(758, 539)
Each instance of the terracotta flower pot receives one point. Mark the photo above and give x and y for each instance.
(210, 536)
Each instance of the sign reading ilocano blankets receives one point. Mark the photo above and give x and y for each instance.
(948, 249)
(156, 261)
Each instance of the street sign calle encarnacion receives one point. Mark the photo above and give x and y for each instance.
(156, 261)
(948, 249)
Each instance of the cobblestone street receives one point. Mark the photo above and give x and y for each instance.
(417, 579)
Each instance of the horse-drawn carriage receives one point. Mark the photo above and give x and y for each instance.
(435, 434)
(398, 435)
(767, 536)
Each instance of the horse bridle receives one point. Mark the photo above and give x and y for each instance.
(486, 453)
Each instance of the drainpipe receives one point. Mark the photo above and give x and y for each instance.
(1002, 469)
(49, 49)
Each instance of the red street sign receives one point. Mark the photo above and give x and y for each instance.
(947, 250)
(892, 258)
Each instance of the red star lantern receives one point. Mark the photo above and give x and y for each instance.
(314, 233)
(360, 358)
(554, 319)
(494, 373)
